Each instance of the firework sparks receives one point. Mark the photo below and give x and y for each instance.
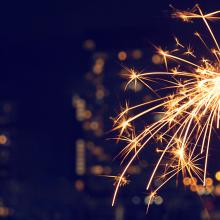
(188, 114)
(124, 181)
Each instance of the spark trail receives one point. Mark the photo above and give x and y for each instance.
(188, 114)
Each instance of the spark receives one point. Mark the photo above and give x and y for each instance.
(189, 112)
(134, 76)
(124, 181)
(178, 44)
(189, 51)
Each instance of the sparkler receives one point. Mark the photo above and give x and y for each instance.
(188, 114)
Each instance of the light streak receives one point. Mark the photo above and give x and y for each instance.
(189, 113)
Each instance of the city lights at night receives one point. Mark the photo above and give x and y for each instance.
(109, 110)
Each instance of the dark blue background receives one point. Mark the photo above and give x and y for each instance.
(42, 62)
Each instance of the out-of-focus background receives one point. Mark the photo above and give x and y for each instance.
(60, 84)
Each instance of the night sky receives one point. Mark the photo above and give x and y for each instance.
(42, 62)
